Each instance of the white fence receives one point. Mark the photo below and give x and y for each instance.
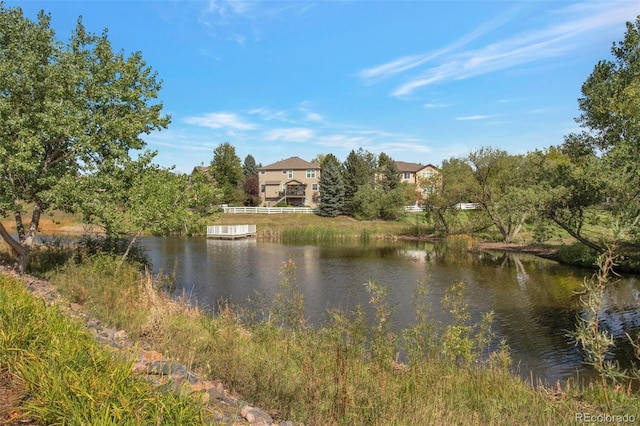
(268, 210)
(283, 210)
(459, 206)
(467, 206)
(231, 231)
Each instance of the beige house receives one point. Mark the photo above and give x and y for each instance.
(293, 181)
(419, 175)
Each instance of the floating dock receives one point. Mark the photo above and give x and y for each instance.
(231, 232)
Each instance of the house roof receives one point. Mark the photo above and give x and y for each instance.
(412, 167)
(408, 167)
(293, 163)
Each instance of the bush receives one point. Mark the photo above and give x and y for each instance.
(89, 246)
(577, 254)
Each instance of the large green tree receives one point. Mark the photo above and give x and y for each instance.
(249, 167)
(506, 188)
(575, 183)
(226, 169)
(598, 170)
(388, 173)
(358, 169)
(610, 106)
(331, 187)
(66, 110)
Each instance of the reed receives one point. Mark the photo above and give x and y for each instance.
(347, 371)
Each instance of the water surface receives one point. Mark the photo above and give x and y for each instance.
(534, 299)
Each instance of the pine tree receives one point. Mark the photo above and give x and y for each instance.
(357, 170)
(389, 173)
(331, 187)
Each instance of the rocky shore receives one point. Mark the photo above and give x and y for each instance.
(221, 405)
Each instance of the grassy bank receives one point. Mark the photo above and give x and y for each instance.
(311, 227)
(60, 375)
(343, 373)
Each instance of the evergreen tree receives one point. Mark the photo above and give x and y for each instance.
(249, 167)
(331, 187)
(357, 170)
(389, 174)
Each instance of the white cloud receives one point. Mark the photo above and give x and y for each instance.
(473, 117)
(571, 26)
(313, 116)
(343, 141)
(409, 62)
(239, 21)
(268, 114)
(296, 134)
(436, 105)
(219, 120)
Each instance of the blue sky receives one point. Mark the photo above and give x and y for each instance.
(422, 81)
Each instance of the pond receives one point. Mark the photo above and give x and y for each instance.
(534, 300)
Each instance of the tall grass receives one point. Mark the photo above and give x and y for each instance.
(345, 372)
(68, 378)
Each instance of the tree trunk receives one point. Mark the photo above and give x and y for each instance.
(126, 252)
(22, 252)
(580, 238)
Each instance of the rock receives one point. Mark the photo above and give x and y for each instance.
(148, 357)
(120, 335)
(255, 415)
(215, 394)
(202, 386)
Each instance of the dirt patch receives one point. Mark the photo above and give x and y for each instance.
(12, 392)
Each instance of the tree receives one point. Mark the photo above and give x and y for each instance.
(597, 170)
(226, 169)
(249, 167)
(449, 188)
(66, 110)
(331, 187)
(251, 187)
(357, 170)
(142, 197)
(610, 106)
(389, 175)
(575, 187)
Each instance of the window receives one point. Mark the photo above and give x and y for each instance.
(311, 173)
(314, 187)
(263, 188)
(427, 175)
(407, 175)
(263, 172)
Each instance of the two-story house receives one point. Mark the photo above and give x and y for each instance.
(293, 181)
(419, 175)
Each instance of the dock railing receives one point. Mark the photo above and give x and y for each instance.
(231, 231)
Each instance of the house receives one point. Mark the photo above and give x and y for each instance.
(419, 175)
(293, 181)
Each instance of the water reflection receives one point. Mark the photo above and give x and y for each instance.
(534, 300)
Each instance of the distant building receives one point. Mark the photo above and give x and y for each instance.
(419, 175)
(293, 181)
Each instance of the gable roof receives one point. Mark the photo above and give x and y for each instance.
(293, 163)
(408, 167)
(412, 167)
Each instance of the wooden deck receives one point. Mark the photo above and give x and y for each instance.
(231, 232)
